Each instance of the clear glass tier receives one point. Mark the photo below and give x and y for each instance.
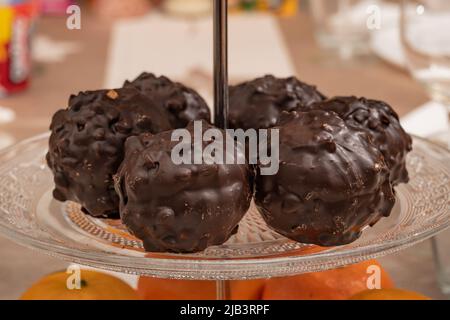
(30, 216)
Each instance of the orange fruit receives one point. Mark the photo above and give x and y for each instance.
(164, 289)
(337, 284)
(388, 294)
(94, 286)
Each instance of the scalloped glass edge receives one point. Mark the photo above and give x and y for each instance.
(224, 269)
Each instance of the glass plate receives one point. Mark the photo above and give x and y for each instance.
(30, 216)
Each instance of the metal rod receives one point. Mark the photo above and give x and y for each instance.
(220, 43)
(222, 290)
(221, 63)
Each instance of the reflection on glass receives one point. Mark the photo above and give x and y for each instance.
(425, 37)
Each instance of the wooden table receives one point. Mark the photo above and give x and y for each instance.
(53, 83)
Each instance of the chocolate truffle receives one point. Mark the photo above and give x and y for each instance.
(179, 207)
(381, 122)
(86, 144)
(258, 104)
(331, 184)
(184, 104)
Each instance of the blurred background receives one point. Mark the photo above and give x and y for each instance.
(50, 49)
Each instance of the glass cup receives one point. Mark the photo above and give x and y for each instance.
(341, 26)
(425, 37)
(426, 44)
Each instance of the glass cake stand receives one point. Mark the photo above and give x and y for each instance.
(30, 216)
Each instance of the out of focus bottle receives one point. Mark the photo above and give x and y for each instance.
(188, 7)
(279, 7)
(115, 9)
(16, 24)
(55, 7)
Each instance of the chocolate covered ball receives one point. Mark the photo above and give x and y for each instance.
(86, 144)
(331, 184)
(179, 207)
(258, 104)
(183, 104)
(382, 123)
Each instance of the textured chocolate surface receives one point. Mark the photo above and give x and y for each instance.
(86, 144)
(259, 103)
(183, 103)
(179, 208)
(332, 181)
(382, 123)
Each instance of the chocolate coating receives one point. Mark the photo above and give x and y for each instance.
(182, 103)
(381, 122)
(258, 104)
(331, 184)
(179, 208)
(86, 144)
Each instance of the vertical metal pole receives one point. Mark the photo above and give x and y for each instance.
(221, 93)
(220, 63)
(223, 290)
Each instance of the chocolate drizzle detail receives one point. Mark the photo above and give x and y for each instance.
(332, 182)
(179, 208)
(86, 144)
(258, 104)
